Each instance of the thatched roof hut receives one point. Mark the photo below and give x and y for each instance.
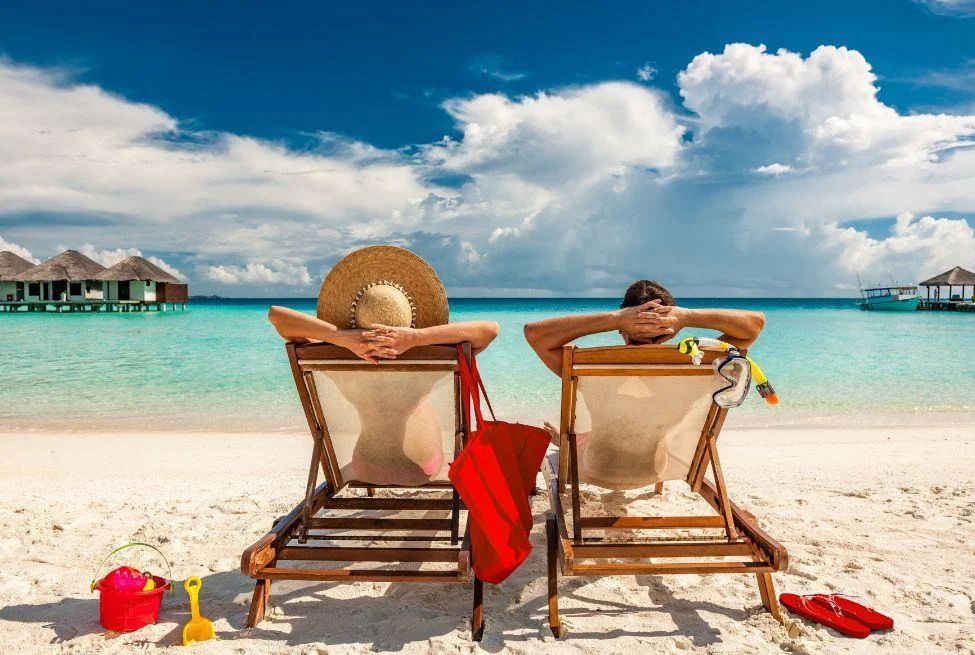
(956, 277)
(136, 268)
(12, 265)
(69, 265)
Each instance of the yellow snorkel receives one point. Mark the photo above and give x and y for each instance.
(764, 387)
(692, 346)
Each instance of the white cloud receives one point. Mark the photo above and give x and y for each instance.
(950, 7)
(565, 138)
(917, 248)
(111, 257)
(106, 257)
(521, 230)
(646, 72)
(78, 150)
(18, 250)
(775, 169)
(823, 108)
(273, 272)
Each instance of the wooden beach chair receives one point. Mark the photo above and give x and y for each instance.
(362, 418)
(650, 418)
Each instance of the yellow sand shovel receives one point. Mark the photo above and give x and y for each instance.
(199, 628)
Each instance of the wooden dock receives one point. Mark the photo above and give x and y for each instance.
(91, 306)
(946, 306)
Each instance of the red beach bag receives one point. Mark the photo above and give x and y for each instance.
(493, 476)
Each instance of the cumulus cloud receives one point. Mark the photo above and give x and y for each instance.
(112, 257)
(823, 108)
(915, 248)
(273, 272)
(565, 138)
(18, 250)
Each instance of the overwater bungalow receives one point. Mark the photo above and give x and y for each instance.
(137, 280)
(65, 278)
(12, 265)
(957, 279)
(73, 282)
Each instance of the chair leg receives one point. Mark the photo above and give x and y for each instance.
(769, 601)
(477, 615)
(371, 492)
(658, 488)
(552, 544)
(262, 591)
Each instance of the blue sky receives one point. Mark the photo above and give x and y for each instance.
(274, 140)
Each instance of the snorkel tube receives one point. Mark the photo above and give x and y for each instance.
(764, 387)
(692, 346)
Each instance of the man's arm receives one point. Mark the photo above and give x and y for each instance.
(739, 327)
(548, 336)
(647, 322)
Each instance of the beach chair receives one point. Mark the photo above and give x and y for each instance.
(632, 417)
(395, 426)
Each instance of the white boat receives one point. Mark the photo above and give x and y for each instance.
(889, 299)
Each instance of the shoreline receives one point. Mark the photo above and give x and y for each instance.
(765, 419)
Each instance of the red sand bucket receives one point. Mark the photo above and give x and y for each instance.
(125, 611)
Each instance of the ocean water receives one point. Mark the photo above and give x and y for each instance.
(220, 365)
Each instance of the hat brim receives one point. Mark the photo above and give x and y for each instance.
(375, 264)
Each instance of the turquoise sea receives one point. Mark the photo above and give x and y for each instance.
(220, 366)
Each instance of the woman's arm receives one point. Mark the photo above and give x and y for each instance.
(397, 340)
(298, 326)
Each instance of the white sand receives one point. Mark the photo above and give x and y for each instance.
(885, 513)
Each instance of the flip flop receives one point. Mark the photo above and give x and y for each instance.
(849, 607)
(825, 615)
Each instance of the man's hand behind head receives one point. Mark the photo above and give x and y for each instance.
(650, 322)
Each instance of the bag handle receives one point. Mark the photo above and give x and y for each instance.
(480, 383)
(472, 387)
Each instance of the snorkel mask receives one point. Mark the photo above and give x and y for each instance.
(735, 369)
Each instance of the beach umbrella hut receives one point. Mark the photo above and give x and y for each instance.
(137, 279)
(69, 276)
(12, 265)
(956, 277)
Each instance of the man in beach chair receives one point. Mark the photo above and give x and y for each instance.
(638, 415)
(377, 376)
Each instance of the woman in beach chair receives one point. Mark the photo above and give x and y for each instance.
(638, 415)
(377, 375)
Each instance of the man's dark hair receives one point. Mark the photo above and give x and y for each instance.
(643, 291)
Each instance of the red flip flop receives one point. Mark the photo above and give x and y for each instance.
(824, 614)
(849, 607)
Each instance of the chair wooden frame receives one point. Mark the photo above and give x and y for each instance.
(295, 537)
(576, 554)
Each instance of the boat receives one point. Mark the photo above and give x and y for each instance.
(889, 299)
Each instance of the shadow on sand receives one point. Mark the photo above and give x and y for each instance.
(403, 614)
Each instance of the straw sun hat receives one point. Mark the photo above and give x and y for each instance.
(382, 284)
